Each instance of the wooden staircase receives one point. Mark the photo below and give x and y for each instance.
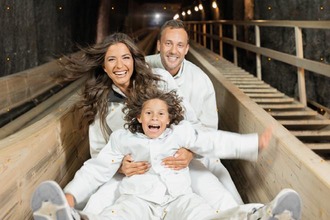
(298, 154)
(305, 123)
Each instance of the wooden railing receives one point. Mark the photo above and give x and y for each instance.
(208, 32)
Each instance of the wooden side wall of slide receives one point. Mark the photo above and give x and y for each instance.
(287, 163)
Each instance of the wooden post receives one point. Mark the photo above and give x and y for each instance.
(220, 41)
(211, 37)
(195, 32)
(258, 59)
(235, 48)
(300, 71)
(204, 35)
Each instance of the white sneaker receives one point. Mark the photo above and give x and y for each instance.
(49, 203)
(286, 205)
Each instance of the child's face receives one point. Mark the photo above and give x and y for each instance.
(154, 117)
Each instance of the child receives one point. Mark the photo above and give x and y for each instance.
(156, 130)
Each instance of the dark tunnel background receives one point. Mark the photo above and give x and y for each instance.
(35, 32)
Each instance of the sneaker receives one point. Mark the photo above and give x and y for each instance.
(286, 205)
(49, 203)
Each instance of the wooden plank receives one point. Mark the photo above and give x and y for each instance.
(39, 111)
(304, 124)
(273, 100)
(292, 114)
(264, 86)
(22, 87)
(267, 95)
(236, 75)
(311, 135)
(282, 106)
(37, 153)
(259, 90)
(242, 82)
(286, 163)
(319, 146)
(243, 79)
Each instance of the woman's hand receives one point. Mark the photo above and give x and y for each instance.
(129, 167)
(70, 199)
(180, 160)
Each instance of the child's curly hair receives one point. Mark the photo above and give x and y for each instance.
(135, 102)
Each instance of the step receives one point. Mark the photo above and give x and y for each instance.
(304, 124)
(243, 79)
(242, 82)
(240, 76)
(234, 69)
(270, 107)
(259, 90)
(292, 114)
(319, 146)
(310, 135)
(267, 95)
(264, 86)
(273, 100)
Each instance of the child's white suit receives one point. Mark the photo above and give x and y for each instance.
(200, 175)
(161, 192)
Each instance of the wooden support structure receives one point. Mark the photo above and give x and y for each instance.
(288, 162)
(51, 148)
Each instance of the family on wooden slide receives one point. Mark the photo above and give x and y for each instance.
(154, 140)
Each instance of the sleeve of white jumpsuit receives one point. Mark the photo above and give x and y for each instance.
(222, 144)
(96, 171)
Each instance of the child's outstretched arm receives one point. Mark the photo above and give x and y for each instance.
(265, 138)
(70, 199)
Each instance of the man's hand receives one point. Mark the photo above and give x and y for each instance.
(129, 167)
(180, 160)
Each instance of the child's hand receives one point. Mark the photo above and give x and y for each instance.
(264, 138)
(70, 200)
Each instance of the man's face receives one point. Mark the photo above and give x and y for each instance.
(173, 46)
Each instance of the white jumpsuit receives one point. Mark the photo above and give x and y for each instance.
(204, 182)
(161, 193)
(198, 90)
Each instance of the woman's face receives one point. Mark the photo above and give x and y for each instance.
(119, 65)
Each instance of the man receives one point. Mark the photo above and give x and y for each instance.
(197, 88)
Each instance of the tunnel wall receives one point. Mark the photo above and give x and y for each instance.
(34, 32)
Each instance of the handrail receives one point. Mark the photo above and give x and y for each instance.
(198, 31)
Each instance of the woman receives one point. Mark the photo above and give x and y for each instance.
(113, 69)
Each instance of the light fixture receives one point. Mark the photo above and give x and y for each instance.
(196, 8)
(214, 4)
(189, 12)
(200, 6)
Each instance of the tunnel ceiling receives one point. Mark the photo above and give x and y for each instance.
(160, 2)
